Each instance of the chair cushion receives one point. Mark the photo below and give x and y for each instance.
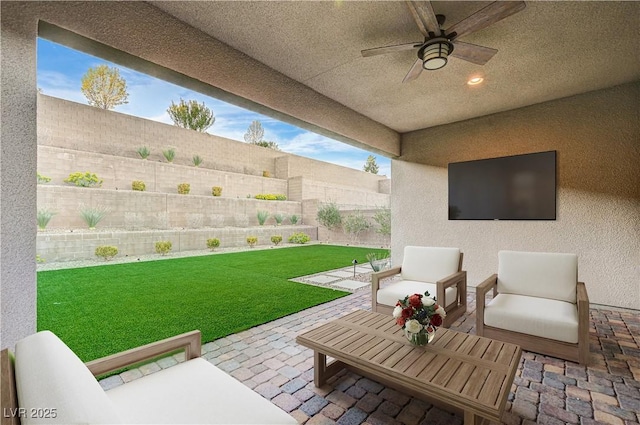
(541, 317)
(538, 274)
(50, 375)
(391, 293)
(429, 264)
(193, 392)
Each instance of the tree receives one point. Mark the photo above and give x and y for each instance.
(191, 115)
(254, 133)
(371, 166)
(104, 87)
(329, 216)
(255, 136)
(354, 224)
(383, 218)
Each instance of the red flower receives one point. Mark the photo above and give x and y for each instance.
(436, 320)
(400, 321)
(407, 312)
(415, 300)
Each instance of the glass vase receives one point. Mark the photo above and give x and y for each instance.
(420, 338)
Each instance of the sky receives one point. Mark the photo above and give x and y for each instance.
(60, 70)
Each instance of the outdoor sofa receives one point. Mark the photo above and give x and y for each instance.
(51, 385)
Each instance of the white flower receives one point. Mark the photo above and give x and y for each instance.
(413, 326)
(397, 312)
(427, 301)
(441, 312)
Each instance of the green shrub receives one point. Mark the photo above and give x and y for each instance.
(43, 179)
(138, 185)
(262, 217)
(184, 188)
(213, 243)
(92, 216)
(39, 259)
(299, 237)
(43, 217)
(216, 191)
(266, 173)
(197, 160)
(163, 247)
(252, 241)
(271, 197)
(278, 217)
(294, 219)
(86, 179)
(107, 252)
(329, 216)
(276, 239)
(383, 218)
(144, 152)
(169, 154)
(354, 224)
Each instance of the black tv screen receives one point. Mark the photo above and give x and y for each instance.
(521, 187)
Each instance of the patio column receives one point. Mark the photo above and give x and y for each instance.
(18, 160)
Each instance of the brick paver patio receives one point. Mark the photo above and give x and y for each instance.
(545, 391)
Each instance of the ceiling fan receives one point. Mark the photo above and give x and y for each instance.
(439, 44)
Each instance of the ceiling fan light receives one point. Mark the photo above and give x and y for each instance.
(435, 54)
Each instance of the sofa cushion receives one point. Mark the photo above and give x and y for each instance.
(538, 274)
(429, 264)
(193, 392)
(50, 375)
(541, 317)
(391, 293)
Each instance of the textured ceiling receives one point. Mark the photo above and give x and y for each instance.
(547, 51)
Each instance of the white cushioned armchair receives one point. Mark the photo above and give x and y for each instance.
(434, 269)
(537, 303)
(47, 378)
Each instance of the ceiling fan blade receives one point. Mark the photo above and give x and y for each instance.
(389, 49)
(416, 17)
(489, 15)
(428, 16)
(472, 53)
(414, 72)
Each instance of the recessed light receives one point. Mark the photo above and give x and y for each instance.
(475, 81)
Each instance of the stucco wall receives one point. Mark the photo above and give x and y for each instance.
(597, 137)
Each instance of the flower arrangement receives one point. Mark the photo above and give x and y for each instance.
(419, 316)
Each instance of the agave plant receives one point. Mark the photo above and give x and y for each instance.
(262, 217)
(44, 216)
(93, 215)
(169, 154)
(144, 152)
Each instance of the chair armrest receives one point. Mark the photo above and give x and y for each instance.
(457, 279)
(452, 280)
(377, 276)
(190, 342)
(583, 305)
(481, 291)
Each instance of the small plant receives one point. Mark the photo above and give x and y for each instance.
(299, 237)
(144, 152)
(294, 219)
(163, 247)
(93, 216)
(213, 243)
(262, 217)
(329, 216)
(354, 224)
(39, 259)
(107, 252)
(184, 188)
(271, 197)
(278, 217)
(138, 185)
(216, 191)
(197, 160)
(252, 241)
(86, 179)
(276, 239)
(169, 154)
(378, 261)
(248, 196)
(266, 173)
(43, 217)
(43, 179)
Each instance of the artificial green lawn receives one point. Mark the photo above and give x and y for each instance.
(102, 310)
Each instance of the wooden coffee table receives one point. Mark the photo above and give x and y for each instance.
(467, 373)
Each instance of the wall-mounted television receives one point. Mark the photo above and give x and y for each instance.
(520, 187)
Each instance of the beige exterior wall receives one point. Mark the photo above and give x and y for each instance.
(597, 139)
(81, 245)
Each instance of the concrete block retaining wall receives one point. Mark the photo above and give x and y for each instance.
(82, 244)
